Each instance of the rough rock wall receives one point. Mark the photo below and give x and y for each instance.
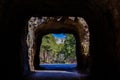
(42, 25)
(113, 7)
(13, 12)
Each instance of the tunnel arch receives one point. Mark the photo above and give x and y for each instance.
(102, 38)
(75, 25)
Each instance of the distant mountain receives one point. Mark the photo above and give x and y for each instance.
(61, 35)
(59, 38)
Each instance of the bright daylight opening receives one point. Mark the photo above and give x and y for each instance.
(58, 51)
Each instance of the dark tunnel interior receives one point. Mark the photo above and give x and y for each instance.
(103, 18)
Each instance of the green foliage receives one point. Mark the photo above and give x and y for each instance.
(69, 48)
(51, 52)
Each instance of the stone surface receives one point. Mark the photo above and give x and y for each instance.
(102, 16)
(45, 25)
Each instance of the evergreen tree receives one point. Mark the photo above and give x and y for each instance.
(51, 52)
(69, 48)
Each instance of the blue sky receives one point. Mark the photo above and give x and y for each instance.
(61, 35)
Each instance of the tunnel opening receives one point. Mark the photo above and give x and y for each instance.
(76, 27)
(103, 19)
(58, 51)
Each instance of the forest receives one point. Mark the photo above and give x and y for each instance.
(53, 53)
